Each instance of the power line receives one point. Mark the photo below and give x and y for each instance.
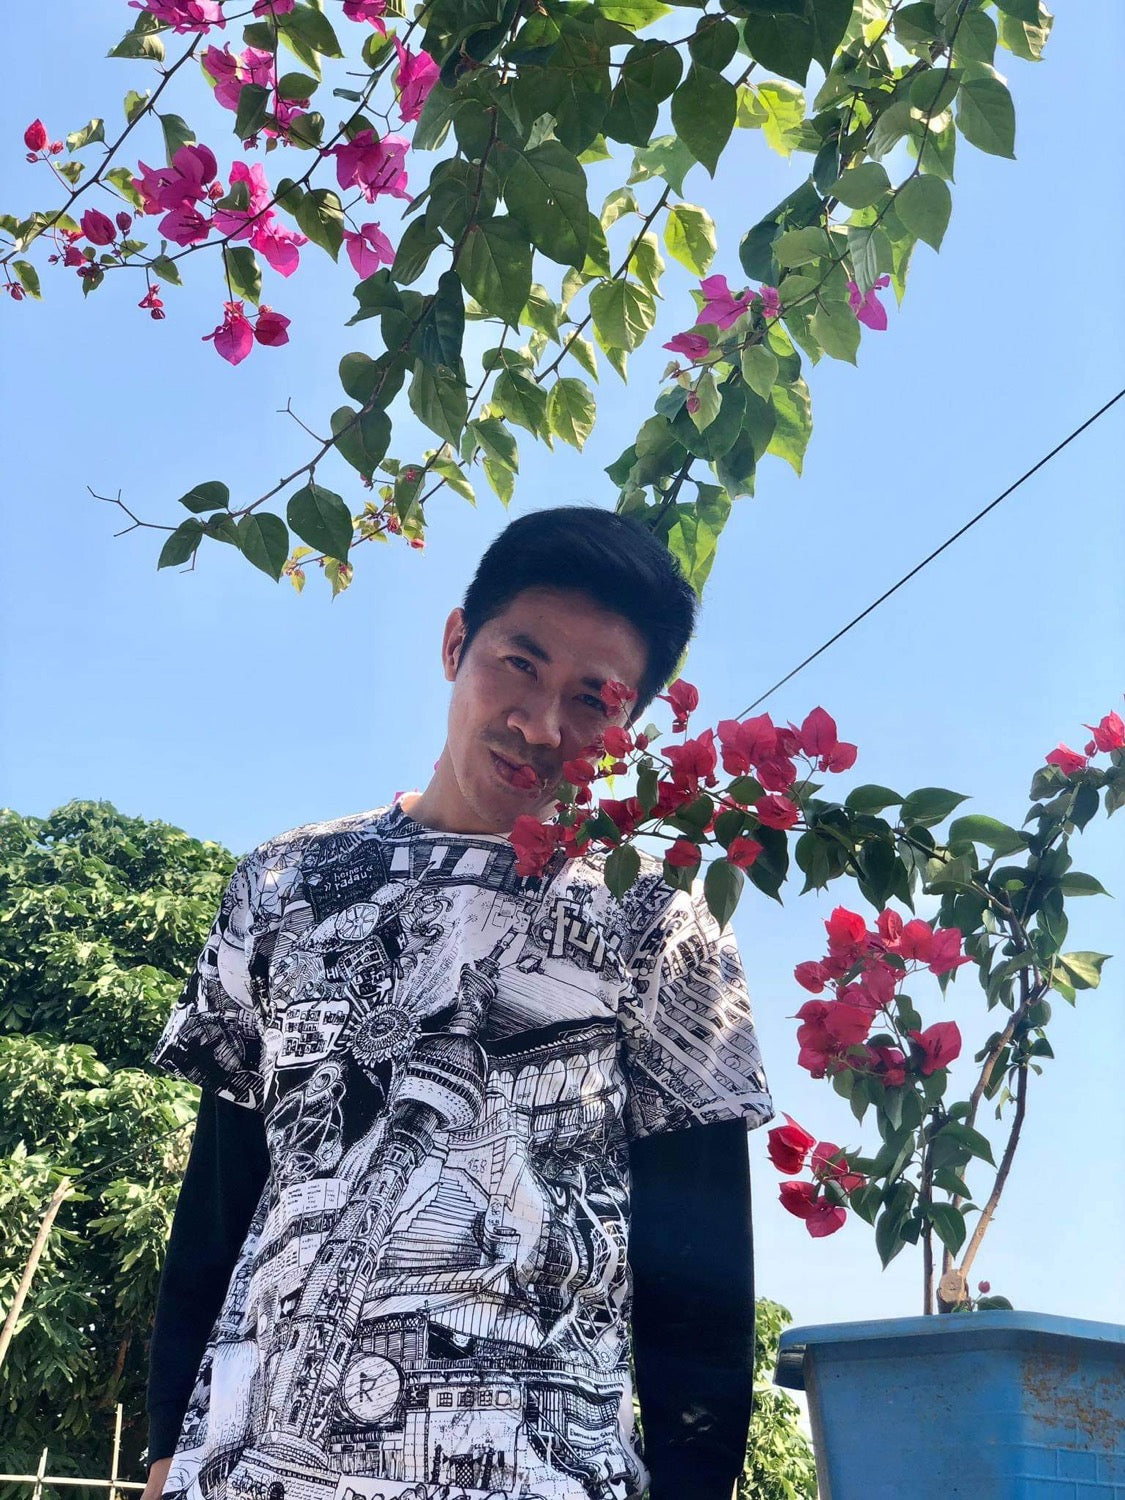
(935, 553)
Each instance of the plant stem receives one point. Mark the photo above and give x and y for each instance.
(1001, 1175)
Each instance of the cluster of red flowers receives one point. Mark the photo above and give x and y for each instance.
(819, 1202)
(1107, 735)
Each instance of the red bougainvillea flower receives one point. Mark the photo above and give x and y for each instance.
(152, 302)
(777, 773)
(940, 1044)
(271, 328)
(98, 228)
(414, 77)
(821, 1217)
(693, 761)
(812, 977)
(617, 741)
(745, 742)
(771, 301)
(683, 855)
(35, 136)
(374, 164)
(234, 337)
(720, 306)
(788, 1146)
(1067, 760)
(578, 772)
(916, 941)
(743, 852)
(867, 307)
(818, 739)
(887, 1063)
(776, 811)
(946, 955)
(367, 10)
(683, 698)
(847, 932)
(693, 346)
(368, 250)
(829, 1164)
(184, 15)
(889, 925)
(534, 843)
(625, 814)
(616, 696)
(1109, 733)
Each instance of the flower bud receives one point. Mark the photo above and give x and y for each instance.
(56, 147)
(124, 222)
(97, 228)
(35, 136)
(984, 1287)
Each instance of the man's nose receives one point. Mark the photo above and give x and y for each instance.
(538, 719)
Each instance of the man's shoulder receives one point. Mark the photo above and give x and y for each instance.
(296, 845)
(647, 900)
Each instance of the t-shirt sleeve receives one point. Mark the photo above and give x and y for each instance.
(214, 1036)
(690, 1050)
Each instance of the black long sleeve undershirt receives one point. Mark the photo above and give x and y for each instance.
(693, 1309)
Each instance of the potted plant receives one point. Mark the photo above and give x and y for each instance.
(983, 1402)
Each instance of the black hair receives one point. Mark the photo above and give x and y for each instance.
(613, 559)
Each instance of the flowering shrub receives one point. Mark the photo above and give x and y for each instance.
(514, 101)
(1001, 893)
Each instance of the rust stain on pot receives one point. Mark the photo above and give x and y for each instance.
(1090, 1412)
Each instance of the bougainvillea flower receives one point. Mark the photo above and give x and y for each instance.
(745, 742)
(812, 977)
(240, 223)
(374, 164)
(234, 337)
(683, 698)
(185, 225)
(625, 813)
(818, 733)
(184, 15)
(184, 182)
(888, 1064)
(788, 1146)
(946, 955)
(414, 77)
(534, 843)
(617, 741)
(152, 302)
(98, 227)
(692, 345)
(367, 10)
(693, 761)
(916, 941)
(940, 1044)
(35, 136)
(683, 855)
(271, 328)
(278, 245)
(616, 695)
(266, 8)
(1067, 760)
(777, 773)
(867, 307)
(743, 852)
(771, 301)
(368, 250)
(720, 306)
(847, 1021)
(776, 811)
(578, 772)
(1109, 733)
(821, 1217)
(889, 925)
(847, 932)
(829, 1164)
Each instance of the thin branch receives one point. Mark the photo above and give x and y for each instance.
(1001, 1174)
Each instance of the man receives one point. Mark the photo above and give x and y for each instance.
(448, 1110)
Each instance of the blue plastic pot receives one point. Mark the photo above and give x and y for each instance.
(968, 1406)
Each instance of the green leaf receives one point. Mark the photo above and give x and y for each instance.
(836, 329)
(455, 478)
(308, 26)
(949, 1223)
(722, 887)
(870, 252)
(703, 111)
(1026, 39)
(934, 90)
(986, 116)
(244, 271)
(570, 411)
(501, 479)
(320, 518)
(689, 233)
(666, 156)
(298, 88)
(522, 401)
(929, 804)
(623, 314)
(1074, 883)
(871, 798)
(1021, 10)
(793, 409)
(545, 190)
(321, 216)
(212, 495)
(924, 204)
(412, 256)
(264, 541)
(439, 399)
(1083, 969)
(182, 544)
(495, 266)
(140, 42)
(497, 440)
(783, 122)
(362, 438)
(976, 38)
(715, 42)
(862, 186)
(646, 263)
(28, 277)
(993, 834)
(94, 131)
(177, 132)
(787, 37)
(622, 866)
(253, 107)
(759, 369)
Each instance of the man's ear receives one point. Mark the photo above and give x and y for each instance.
(452, 643)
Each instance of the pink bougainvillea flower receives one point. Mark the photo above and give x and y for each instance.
(97, 228)
(683, 699)
(220, 65)
(534, 843)
(720, 306)
(367, 10)
(940, 1044)
(152, 302)
(771, 301)
(1067, 760)
(867, 307)
(776, 811)
(277, 245)
(35, 136)
(373, 164)
(743, 851)
(271, 327)
(916, 941)
(788, 1145)
(368, 250)
(234, 337)
(683, 855)
(185, 225)
(692, 345)
(184, 15)
(1109, 733)
(414, 77)
(888, 1064)
(266, 8)
(240, 223)
(184, 182)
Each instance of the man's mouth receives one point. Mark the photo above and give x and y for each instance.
(518, 774)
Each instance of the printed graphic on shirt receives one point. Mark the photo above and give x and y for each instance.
(432, 1299)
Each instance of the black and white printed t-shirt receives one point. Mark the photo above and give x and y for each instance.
(432, 1299)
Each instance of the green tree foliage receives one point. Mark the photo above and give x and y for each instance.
(101, 917)
(779, 1459)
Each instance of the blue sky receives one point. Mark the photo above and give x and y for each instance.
(231, 707)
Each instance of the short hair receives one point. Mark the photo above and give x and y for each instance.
(614, 560)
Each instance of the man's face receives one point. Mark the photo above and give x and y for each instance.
(526, 698)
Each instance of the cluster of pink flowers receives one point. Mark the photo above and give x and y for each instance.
(819, 1202)
(864, 968)
(236, 335)
(866, 306)
(184, 16)
(721, 308)
(1107, 735)
(230, 72)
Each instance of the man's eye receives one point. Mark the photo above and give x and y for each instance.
(521, 662)
(591, 702)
